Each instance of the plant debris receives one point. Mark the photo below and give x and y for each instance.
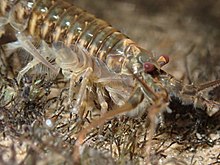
(37, 127)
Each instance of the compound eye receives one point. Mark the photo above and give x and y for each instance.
(163, 60)
(149, 67)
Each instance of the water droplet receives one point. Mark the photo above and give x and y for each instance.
(49, 123)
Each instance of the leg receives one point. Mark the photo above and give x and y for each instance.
(133, 102)
(195, 95)
(82, 89)
(30, 48)
(26, 69)
(103, 103)
(212, 107)
(43, 50)
(153, 112)
(120, 91)
(72, 84)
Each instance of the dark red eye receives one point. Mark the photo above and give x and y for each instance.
(149, 67)
(163, 60)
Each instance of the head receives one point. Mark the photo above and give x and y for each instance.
(141, 60)
(148, 68)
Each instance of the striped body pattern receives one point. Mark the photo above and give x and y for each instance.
(84, 46)
(55, 21)
(60, 26)
(90, 51)
(69, 24)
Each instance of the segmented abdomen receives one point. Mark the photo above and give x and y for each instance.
(60, 21)
(55, 21)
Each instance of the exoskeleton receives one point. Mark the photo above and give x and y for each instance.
(86, 47)
(82, 46)
(89, 50)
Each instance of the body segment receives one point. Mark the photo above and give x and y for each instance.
(84, 46)
(63, 26)
(90, 52)
(55, 21)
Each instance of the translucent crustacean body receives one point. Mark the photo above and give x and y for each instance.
(84, 46)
